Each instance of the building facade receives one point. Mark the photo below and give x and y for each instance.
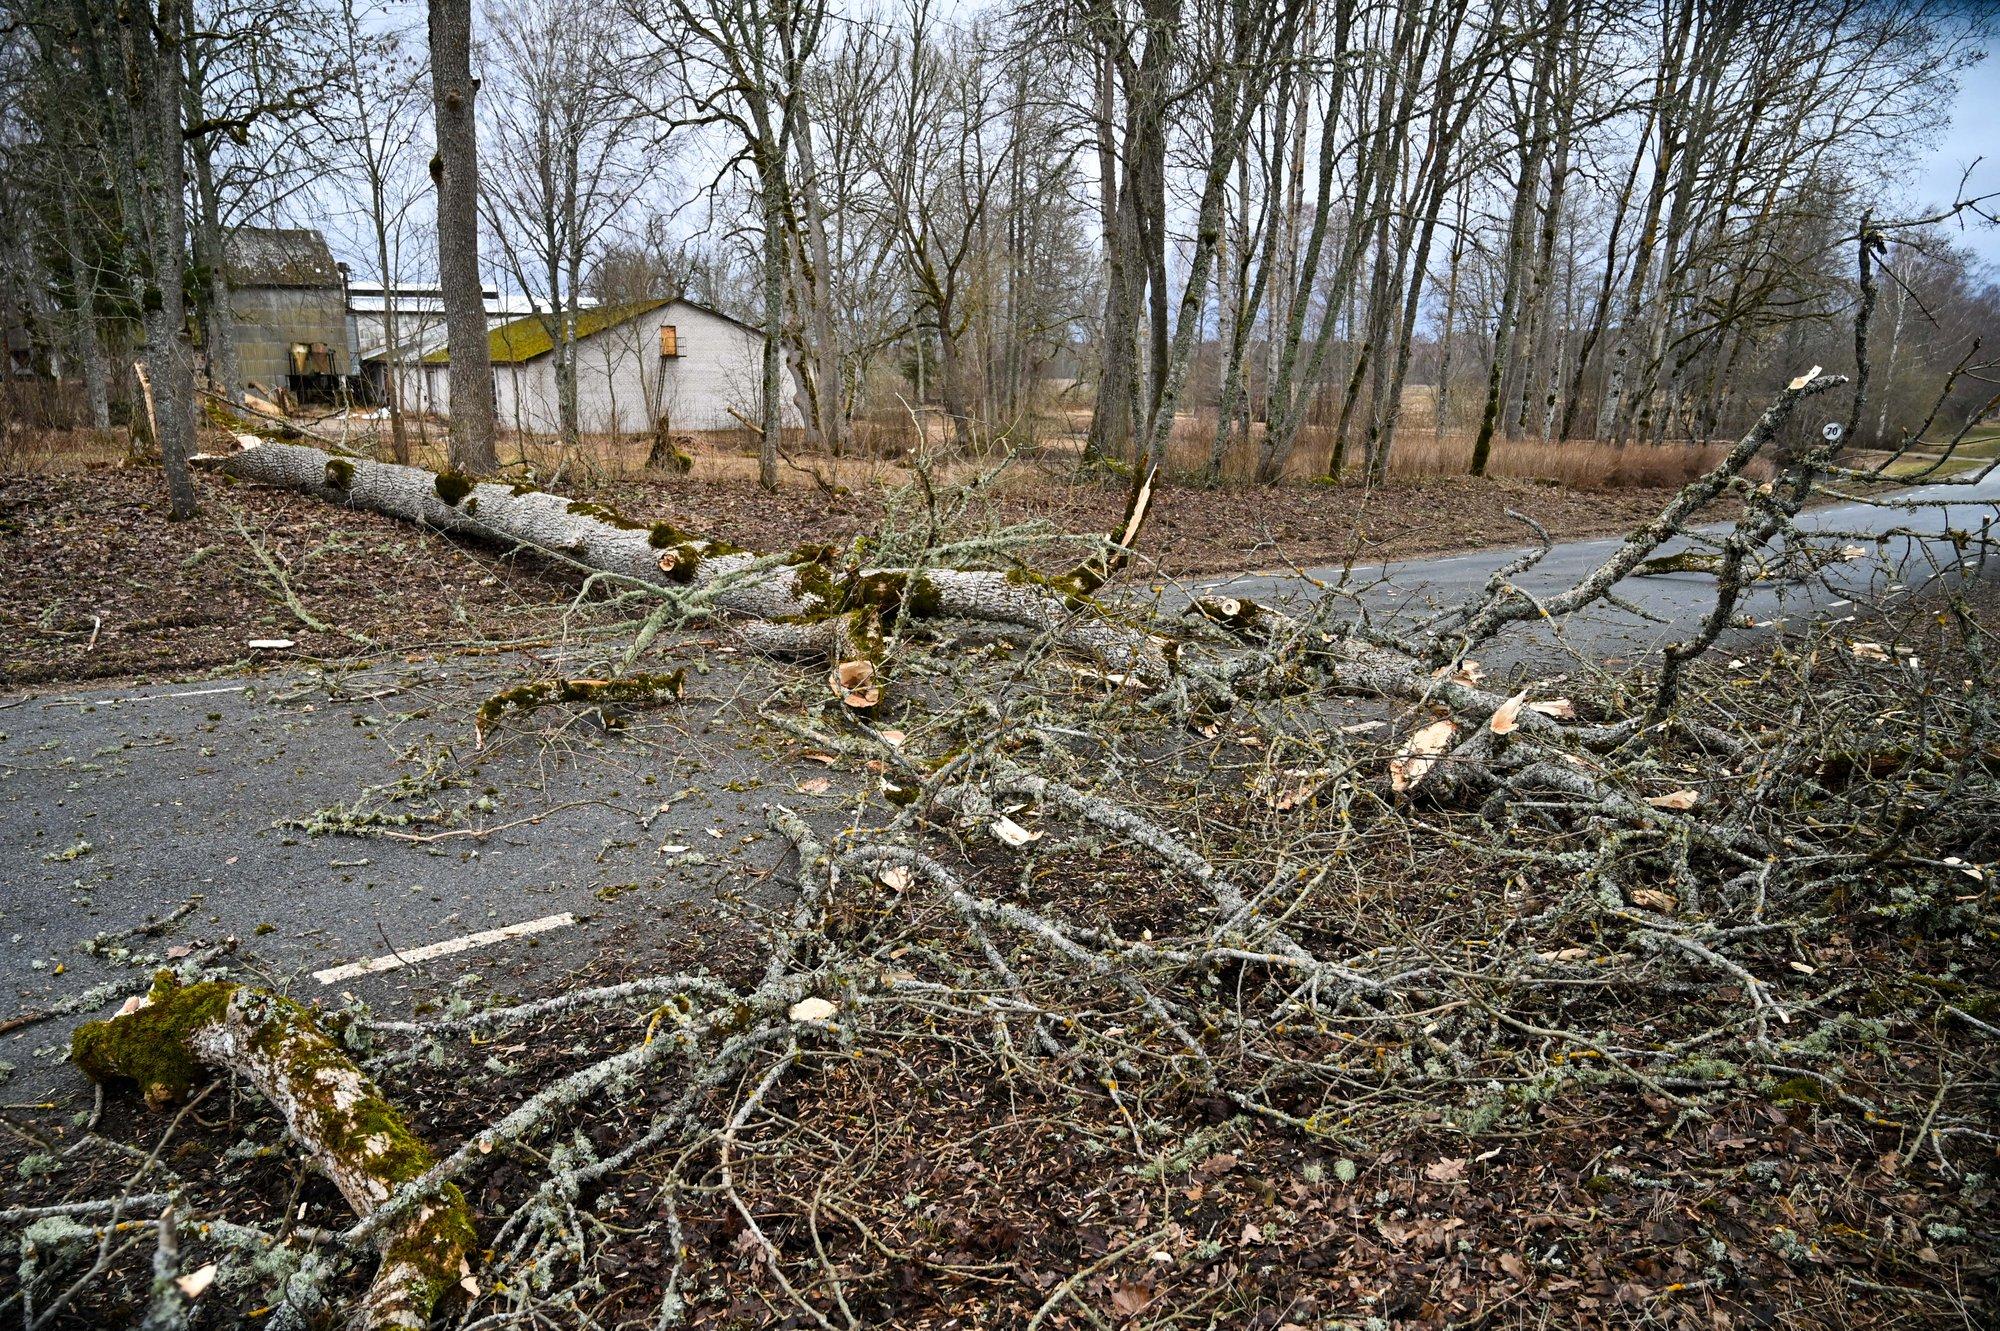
(289, 299)
(638, 364)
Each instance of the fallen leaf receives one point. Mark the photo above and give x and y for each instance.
(1445, 1171)
(1562, 709)
(1012, 832)
(1513, 1266)
(893, 738)
(1869, 651)
(1679, 799)
(1419, 753)
(817, 785)
(1566, 954)
(853, 682)
(1804, 379)
(1508, 716)
(1128, 1299)
(195, 1281)
(133, 1004)
(1653, 899)
(824, 759)
(811, 1009)
(896, 878)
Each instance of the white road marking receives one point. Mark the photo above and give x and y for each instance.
(465, 943)
(147, 697)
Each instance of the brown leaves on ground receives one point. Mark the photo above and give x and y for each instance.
(100, 585)
(1189, 530)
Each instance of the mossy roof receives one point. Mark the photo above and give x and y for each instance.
(525, 339)
(260, 256)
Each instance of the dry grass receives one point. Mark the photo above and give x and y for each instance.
(883, 447)
(1419, 452)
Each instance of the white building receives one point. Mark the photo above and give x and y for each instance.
(419, 324)
(636, 363)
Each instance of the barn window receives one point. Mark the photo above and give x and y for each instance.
(670, 340)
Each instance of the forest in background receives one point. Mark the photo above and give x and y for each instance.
(1286, 233)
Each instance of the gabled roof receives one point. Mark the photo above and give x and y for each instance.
(527, 339)
(256, 256)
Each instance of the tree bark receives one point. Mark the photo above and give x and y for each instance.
(455, 172)
(807, 605)
(337, 1116)
(153, 174)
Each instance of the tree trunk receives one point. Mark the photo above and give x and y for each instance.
(89, 341)
(218, 316)
(772, 186)
(392, 388)
(455, 172)
(1111, 422)
(805, 606)
(153, 172)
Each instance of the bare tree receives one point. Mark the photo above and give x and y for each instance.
(455, 171)
(370, 113)
(564, 124)
(744, 64)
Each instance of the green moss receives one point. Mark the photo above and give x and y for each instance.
(340, 474)
(605, 514)
(1069, 586)
(150, 1046)
(661, 535)
(331, 1103)
(452, 487)
(1798, 1090)
(628, 689)
(679, 562)
(436, 1245)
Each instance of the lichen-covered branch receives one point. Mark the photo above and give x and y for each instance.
(339, 1118)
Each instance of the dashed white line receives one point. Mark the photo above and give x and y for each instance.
(465, 943)
(145, 697)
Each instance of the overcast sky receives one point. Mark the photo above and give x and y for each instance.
(1974, 134)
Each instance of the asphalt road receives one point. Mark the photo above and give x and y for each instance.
(120, 805)
(1902, 544)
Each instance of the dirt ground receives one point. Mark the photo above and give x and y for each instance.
(99, 586)
(918, 1172)
(914, 1176)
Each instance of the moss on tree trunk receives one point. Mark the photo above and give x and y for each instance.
(352, 1134)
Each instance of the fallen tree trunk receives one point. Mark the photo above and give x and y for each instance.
(807, 604)
(349, 1131)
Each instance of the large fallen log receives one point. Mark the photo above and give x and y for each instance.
(347, 1129)
(802, 601)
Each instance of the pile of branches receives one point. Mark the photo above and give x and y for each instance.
(1191, 887)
